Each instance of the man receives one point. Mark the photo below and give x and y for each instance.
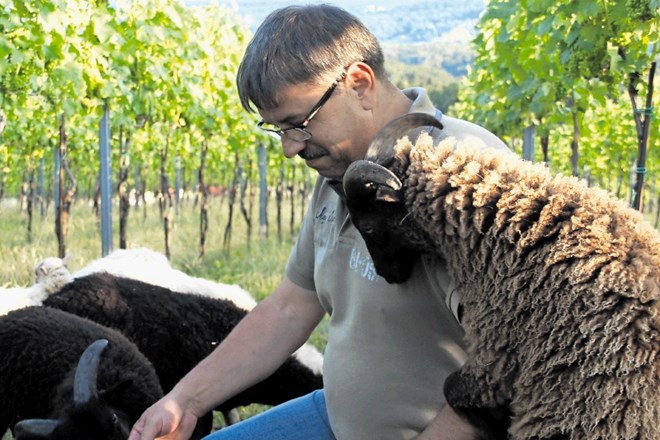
(315, 74)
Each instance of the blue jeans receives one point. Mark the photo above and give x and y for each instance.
(304, 418)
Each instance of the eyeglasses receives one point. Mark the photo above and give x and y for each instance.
(299, 132)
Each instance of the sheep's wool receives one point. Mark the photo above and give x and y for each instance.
(560, 286)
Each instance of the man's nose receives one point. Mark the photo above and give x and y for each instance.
(291, 147)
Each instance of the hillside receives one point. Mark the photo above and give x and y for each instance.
(426, 43)
(433, 33)
(413, 21)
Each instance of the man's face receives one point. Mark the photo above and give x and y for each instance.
(340, 131)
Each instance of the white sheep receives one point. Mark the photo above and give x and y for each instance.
(142, 264)
(151, 267)
(50, 275)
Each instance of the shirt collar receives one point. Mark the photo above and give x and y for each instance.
(421, 102)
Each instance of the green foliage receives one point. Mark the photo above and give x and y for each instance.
(165, 71)
(643, 10)
(549, 63)
(589, 62)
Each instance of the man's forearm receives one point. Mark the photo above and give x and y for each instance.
(256, 347)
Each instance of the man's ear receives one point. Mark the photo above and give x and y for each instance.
(361, 78)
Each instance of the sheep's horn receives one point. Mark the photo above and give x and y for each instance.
(35, 428)
(84, 384)
(362, 172)
(381, 147)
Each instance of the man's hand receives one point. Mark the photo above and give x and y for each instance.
(165, 419)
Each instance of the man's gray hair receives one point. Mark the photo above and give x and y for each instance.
(303, 44)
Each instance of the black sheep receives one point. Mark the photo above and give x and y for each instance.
(39, 350)
(175, 332)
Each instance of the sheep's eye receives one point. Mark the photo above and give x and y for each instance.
(367, 229)
(115, 419)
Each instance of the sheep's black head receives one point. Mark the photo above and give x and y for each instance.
(89, 417)
(375, 201)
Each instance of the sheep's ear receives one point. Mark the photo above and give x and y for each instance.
(66, 259)
(35, 428)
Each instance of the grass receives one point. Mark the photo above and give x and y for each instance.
(256, 264)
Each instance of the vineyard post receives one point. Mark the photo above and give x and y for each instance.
(279, 200)
(203, 198)
(122, 186)
(575, 141)
(106, 182)
(292, 187)
(30, 202)
(42, 188)
(263, 192)
(643, 125)
(165, 197)
(177, 185)
(528, 143)
(56, 186)
(59, 211)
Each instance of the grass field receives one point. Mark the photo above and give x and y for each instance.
(257, 264)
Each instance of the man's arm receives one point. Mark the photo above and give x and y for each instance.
(258, 345)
